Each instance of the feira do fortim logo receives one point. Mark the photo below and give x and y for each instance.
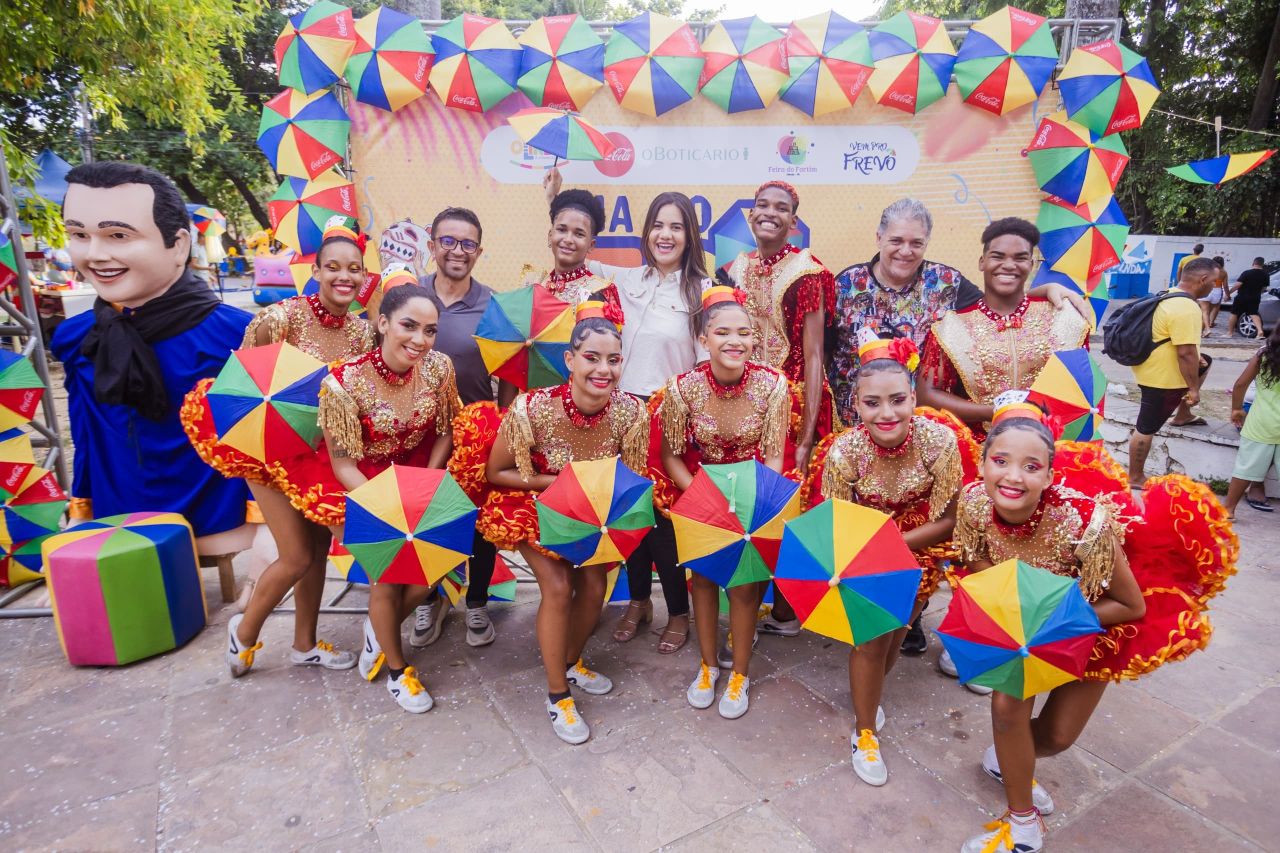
(620, 160)
(794, 149)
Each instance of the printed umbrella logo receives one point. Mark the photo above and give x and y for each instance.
(794, 149)
(618, 162)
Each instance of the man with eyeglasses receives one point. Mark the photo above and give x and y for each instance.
(461, 300)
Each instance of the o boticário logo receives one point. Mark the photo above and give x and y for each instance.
(794, 149)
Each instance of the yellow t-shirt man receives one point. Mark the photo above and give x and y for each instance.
(1178, 319)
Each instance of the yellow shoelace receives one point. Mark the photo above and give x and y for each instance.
(869, 746)
(324, 647)
(704, 678)
(246, 655)
(1001, 836)
(377, 665)
(734, 690)
(569, 710)
(411, 682)
(581, 669)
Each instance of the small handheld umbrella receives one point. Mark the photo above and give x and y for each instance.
(392, 60)
(1082, 240)
(209, 221)
(1218, 170)
(265, 402)
(477, 62)
(913, 62)
(1073, 389)
(1074, 163)
(563, 134)
(313, 47)
(21, 562)
(1094, 289)
(596, 511)
(1019, 629)
(454, 585)
(502, 585)
(652, 63)
(746, 65)
(300, 209)
(829, 60)
(1107, 87)
(303, 135)
(20, 390)
(409, 525)
(729, 521)
(523, 336)
(8, 262)
(32, 509)
(561, 62)
(1006, 60)
(847, 572)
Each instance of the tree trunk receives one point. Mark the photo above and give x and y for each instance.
(255, 207)
(192, 192)
(1264, 100)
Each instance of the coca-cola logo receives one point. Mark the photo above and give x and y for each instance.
(424, 65)
(1021, 17)
(463, 100)
(16, 475)
(344, 193)
(619, 161)
(341, 21)
(322, 162)
(903, 98)
(984, 98)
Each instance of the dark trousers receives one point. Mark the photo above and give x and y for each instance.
(480, 571)
(659, 550)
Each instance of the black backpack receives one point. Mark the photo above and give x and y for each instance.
(1126, 336)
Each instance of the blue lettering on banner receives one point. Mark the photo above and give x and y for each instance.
(702, 207)
(621, 215)
(868, 157)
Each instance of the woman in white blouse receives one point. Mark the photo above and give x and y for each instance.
(661, 300)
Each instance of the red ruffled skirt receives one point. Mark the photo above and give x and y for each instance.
(197, 421)
(315, 491)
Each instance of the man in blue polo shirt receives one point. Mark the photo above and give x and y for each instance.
(461, 300)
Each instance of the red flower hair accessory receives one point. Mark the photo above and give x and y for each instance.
(722, 293)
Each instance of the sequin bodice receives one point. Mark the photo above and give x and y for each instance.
(295, 322)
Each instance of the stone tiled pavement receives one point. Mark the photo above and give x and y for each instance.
(172, 754)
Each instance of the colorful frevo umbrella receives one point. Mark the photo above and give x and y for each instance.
(1019, 629)
(913, 61)
(829, 60)
(1218, 170)
(477, 62)
(1107, 87)
(22, 562)
(746, 64)
(209, 221)
(33, 507)
(1073, 389)
(523, 336)
(409, 525)
(729, 521)
(564, 135)
(392, 60)
(300, 209)
(847, 572)
(595, 512)
(1074, 163)
(502, 585)
(303, 135)
(561, 62)
(20, 390)
(314, 45)
(265, 401)
(8, 261)
(1094, 289)
(1006, 60)
(454, 585)
(1084, 240)
(652, 63)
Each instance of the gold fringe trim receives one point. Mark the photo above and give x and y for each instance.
(777, 418)
(813, 478)
(450, 404)
(272, 319)
(947, 476)
(1099, 548)
(339, 417)
(673, 414)
(835, 481)
(226, 461)
(969, 538)
(518, 432)
(635, 444)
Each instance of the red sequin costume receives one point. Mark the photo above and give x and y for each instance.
(376, 417)
(913, 483)
(781, 290)
(573, 287)
(301, 321)
(1181, 552)
(545, 432)
(977, 354)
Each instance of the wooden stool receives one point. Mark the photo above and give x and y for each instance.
(220, 549)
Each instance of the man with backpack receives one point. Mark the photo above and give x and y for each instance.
(1159, 337)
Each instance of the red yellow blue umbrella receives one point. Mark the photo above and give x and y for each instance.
(32, 508)
(746, 64)
(1073, 389)
(652, 63)
(1218, 170)
(209, 221)
(314, 45)
(1006, 60)
(21, 390)
(21, 562)
(597, 511)
(477, 62)
(565, 135)
(523, 336)
(561, 62)
(303, 135)
(1107, 87)
(913, 61)
(1094, 289)
(392, 59)
(829, 62)
(265, 402)
(1074, 163)
(8, 262)
(300, 209)
(1084, 240)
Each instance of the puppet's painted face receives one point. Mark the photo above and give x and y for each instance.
(115, 242)
(405, 242)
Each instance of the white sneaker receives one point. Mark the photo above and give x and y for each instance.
(325, 655)
(1008, 835)
(948, 667)
(724, 656)
(428, 621)
(1040, 797)
(702, 692)
(770, 625)
(239, 658)
(479, 627)
(736, 698)
(567, 723)
(371, 657)
(586, 680)
(867, 761)
(409, 692)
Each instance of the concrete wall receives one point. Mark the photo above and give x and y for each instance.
(1238, 252)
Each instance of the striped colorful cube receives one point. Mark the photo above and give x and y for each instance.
(124, 587)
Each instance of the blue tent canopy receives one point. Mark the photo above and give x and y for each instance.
(51, 178)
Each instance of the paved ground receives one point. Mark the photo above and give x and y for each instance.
(171, 753)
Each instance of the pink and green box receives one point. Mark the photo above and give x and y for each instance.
(124, 588)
